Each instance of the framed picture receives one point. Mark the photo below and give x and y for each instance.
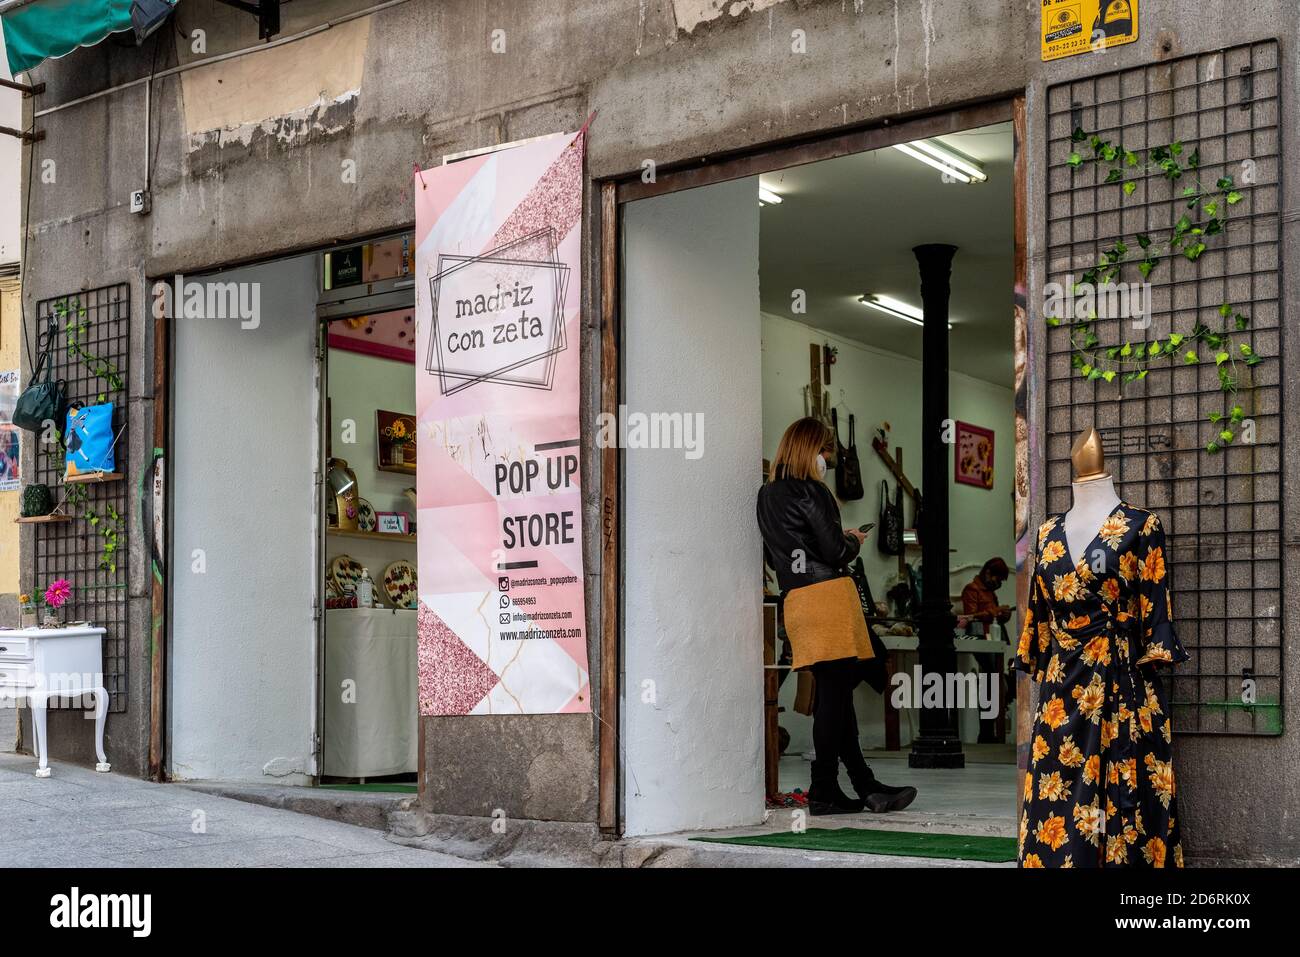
(973, 456)
(395, 441)
(392, 523)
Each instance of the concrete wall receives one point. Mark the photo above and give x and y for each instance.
(243, 636)
(673, 80)
(692, 593)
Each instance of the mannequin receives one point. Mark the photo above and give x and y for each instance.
(1094, 493)
(1097, 624)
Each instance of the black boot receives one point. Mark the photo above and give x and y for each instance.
(822, 801)
(880, 798)
(824, 794)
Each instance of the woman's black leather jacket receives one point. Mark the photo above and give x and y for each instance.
(802, 538)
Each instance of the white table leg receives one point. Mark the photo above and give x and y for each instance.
(101, 713)
(42, 745)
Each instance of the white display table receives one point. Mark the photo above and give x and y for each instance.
(371, 687)
(42, 663)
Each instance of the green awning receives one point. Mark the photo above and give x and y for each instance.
(35, 30)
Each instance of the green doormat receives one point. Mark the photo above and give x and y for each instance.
(389, 788)
(861, 840)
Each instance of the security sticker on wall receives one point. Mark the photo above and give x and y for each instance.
(1078, 26)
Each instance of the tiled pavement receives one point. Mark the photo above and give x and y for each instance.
(77, 817)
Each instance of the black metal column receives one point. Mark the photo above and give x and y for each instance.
(937, 744)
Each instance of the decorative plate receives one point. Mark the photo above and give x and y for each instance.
(399, 584)
(345, 572)
(365, 516)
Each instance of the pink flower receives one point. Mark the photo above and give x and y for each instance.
(58, 593)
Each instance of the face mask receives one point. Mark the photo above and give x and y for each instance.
(821, 466)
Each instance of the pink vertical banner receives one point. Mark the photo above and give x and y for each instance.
(498, 285)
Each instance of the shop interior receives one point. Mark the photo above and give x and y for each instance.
(843, 230)
(798, 293)
(369, 725)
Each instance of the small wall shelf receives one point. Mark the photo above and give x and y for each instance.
(41, 519)
(88, 478)
(371, 536)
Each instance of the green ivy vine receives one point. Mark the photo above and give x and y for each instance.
(1209, 205)
(110, 525)
(73, 316)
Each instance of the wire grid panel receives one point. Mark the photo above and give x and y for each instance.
(1222, 512)
(100, 320)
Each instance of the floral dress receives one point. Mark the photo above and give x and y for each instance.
(1100, 790)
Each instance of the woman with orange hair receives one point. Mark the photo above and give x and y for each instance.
(809, 551)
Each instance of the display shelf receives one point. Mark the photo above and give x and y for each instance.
(89, 478)
(371, 536)
(39, 519)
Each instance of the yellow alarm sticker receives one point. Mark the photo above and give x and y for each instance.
(1080, 26)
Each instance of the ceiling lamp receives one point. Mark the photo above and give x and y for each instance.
(945, 159)
(895, 308)
(768, 198)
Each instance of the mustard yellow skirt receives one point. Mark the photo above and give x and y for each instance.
(825, 623)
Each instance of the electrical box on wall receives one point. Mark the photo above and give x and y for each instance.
(140, 201)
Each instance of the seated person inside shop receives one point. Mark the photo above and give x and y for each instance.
(979, 602)
(979, 599)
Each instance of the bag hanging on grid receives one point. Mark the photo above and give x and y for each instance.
(89, 440)
(848, 470)
(43, 400)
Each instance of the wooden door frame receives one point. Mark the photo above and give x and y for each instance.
(614, 193)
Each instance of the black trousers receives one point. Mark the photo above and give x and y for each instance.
(835, 724)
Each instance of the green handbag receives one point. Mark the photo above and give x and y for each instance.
(42, 401)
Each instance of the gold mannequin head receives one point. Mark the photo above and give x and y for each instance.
(1087, 457)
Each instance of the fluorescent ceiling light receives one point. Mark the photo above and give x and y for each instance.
(896, 308)
(945, 159)
(766, 197)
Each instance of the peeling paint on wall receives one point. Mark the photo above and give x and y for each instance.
(283, 767)
(319, 117)
(290, 83)
(691, 13)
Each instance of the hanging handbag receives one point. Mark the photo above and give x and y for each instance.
(889, 534)
(42, 401)
(848, 470)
